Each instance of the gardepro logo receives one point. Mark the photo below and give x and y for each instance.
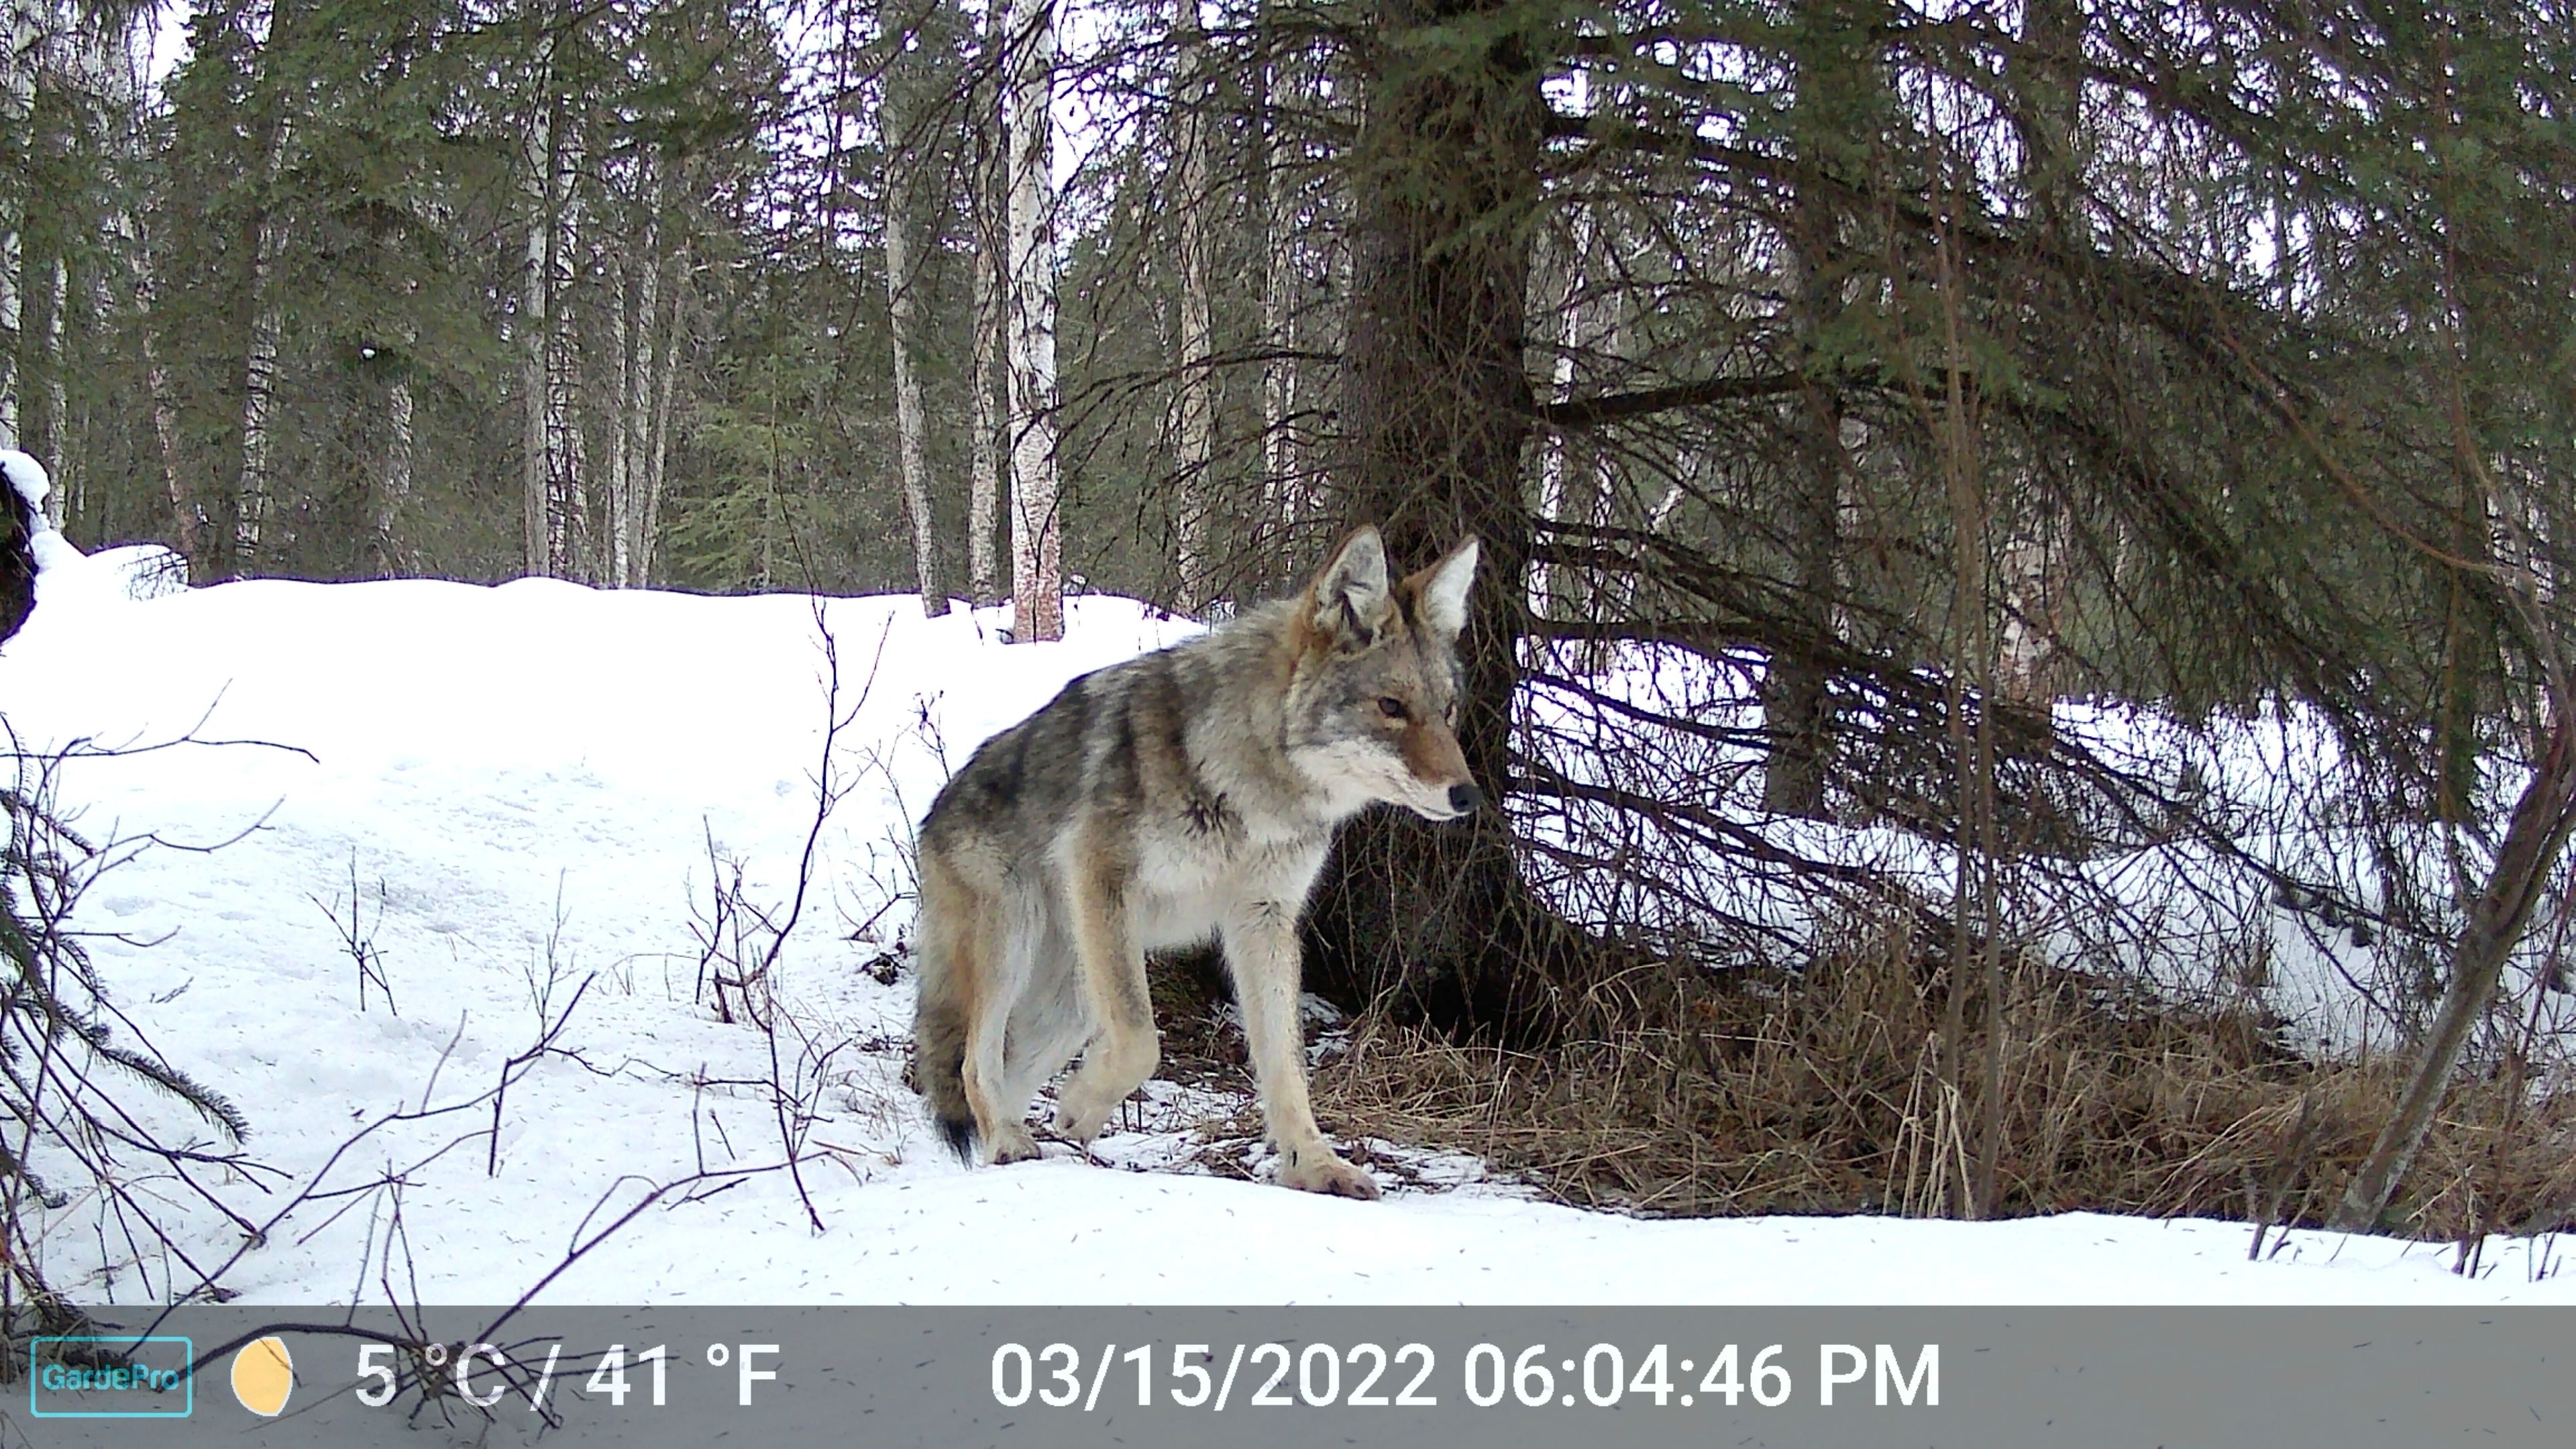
(107, 1376)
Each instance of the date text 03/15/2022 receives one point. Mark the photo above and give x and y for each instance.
(1317, 1374)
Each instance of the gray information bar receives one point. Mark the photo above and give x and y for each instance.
(1603, 1378)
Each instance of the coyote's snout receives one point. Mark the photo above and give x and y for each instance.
(1185, 794)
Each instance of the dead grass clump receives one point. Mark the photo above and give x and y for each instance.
(1825, 1091)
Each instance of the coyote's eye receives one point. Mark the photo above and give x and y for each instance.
(1391, 707)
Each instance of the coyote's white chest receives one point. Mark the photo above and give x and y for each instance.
(1188, 885)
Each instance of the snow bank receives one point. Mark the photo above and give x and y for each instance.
(2201, 920)
(524, 785)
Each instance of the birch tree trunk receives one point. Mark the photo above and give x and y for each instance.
(2049, 74)
(1279, 273)
(638, 398)
(119, 87)
(984, 415)
(66, 480)
(393, 484)
(1280, 463)
(910, 453)
(534, 327)
(1037, 590)
(635, 343)
(1548, 585)
(556, 504)
(623, 407)
(1192, 482)
(259, 398)
(22, 27)
(11, 319)
(988, 140)
(567, 462)
(187, 511)
(568, 440)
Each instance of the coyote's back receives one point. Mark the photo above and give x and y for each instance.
(1180, 795)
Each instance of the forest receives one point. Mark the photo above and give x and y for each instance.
(2012, 528)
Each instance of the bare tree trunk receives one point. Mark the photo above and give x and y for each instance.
(2048, 76)
(102, 73)
(57, 410)
(187, 511)
(634, 332)
(623, 406)
(641, 401)
(1837, 89)
(2534, 836)
(1280, 80)
(1566, 462)
(44, 278)
(1562, 330)
(2048, 80)
(567, 461)
(665, 381)
(984, 415)
(1037, 569)
(1435, 399)
(535, 329)
(911, 453)
(1795, 704)
(11, 319)
(1193, 482)
(988, 143)
(1280, 465)
(22, 29)
(556, 503)
(259, 370)
(119, 85)
(394, 483)
(259, 405)
(2026, 646)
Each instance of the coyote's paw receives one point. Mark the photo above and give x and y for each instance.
(1013, 1144)
(1079, 1125)
(1315, 1169)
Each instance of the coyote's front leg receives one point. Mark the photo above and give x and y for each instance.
(1261, 951)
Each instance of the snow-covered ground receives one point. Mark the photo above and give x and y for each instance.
(2289, 914)
(526, 785)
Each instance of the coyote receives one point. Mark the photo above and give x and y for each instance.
(1181, 795)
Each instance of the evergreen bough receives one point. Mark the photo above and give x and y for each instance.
(70, 1127)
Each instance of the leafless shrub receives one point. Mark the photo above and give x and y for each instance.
(358, 938)
(741, 939)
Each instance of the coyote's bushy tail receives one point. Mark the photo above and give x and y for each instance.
(946, 1004)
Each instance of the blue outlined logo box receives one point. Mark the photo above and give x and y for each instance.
(111, 1376)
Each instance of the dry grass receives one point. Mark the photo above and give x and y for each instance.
(1825, 1091)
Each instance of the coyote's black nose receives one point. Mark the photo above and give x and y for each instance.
(1464, 798)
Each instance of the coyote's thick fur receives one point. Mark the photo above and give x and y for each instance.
(1181, 795)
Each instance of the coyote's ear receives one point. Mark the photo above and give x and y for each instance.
(1350, 594)
(1442, 588)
